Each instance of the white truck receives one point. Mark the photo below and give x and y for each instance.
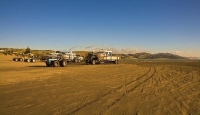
(71, 57)
(103, 56)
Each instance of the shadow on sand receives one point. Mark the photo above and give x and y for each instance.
(37, 66)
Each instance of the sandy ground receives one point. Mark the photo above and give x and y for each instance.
(107, 89)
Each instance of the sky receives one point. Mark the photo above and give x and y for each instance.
(127, 26)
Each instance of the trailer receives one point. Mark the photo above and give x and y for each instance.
(31, 59)
(17, 59)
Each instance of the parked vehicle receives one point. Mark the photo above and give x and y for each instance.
(25, 57)
(29, 59)
(55, 62)
(62, 59)
(71, 57)
(17, 59)
(103, 56)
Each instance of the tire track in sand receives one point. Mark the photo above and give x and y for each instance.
(118, 88)
(176, 97)
(138, 83)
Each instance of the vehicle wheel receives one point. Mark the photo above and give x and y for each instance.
(28, 60)
(93, 62)
(56, 63)
(33, 60)
(16, 59)
(63, 63)
(86, 62)
(21, 59)
(47, 64)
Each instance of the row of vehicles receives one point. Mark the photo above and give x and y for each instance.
(63, 58)
(102, 56)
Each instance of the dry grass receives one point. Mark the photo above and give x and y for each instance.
(137, 88)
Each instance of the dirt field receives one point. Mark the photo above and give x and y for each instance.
(142, 88)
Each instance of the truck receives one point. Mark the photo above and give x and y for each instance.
(62, 59)
(55, 62)
(71, 57)
(103, 56)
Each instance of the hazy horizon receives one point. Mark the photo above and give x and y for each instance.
(167, 26)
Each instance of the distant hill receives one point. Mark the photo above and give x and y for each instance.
(145, 55)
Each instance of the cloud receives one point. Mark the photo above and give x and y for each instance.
(117, 51)
(128, 50)
(182, 53)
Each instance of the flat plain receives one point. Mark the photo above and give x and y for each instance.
(136, 88)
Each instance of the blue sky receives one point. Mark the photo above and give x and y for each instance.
(152, 26)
